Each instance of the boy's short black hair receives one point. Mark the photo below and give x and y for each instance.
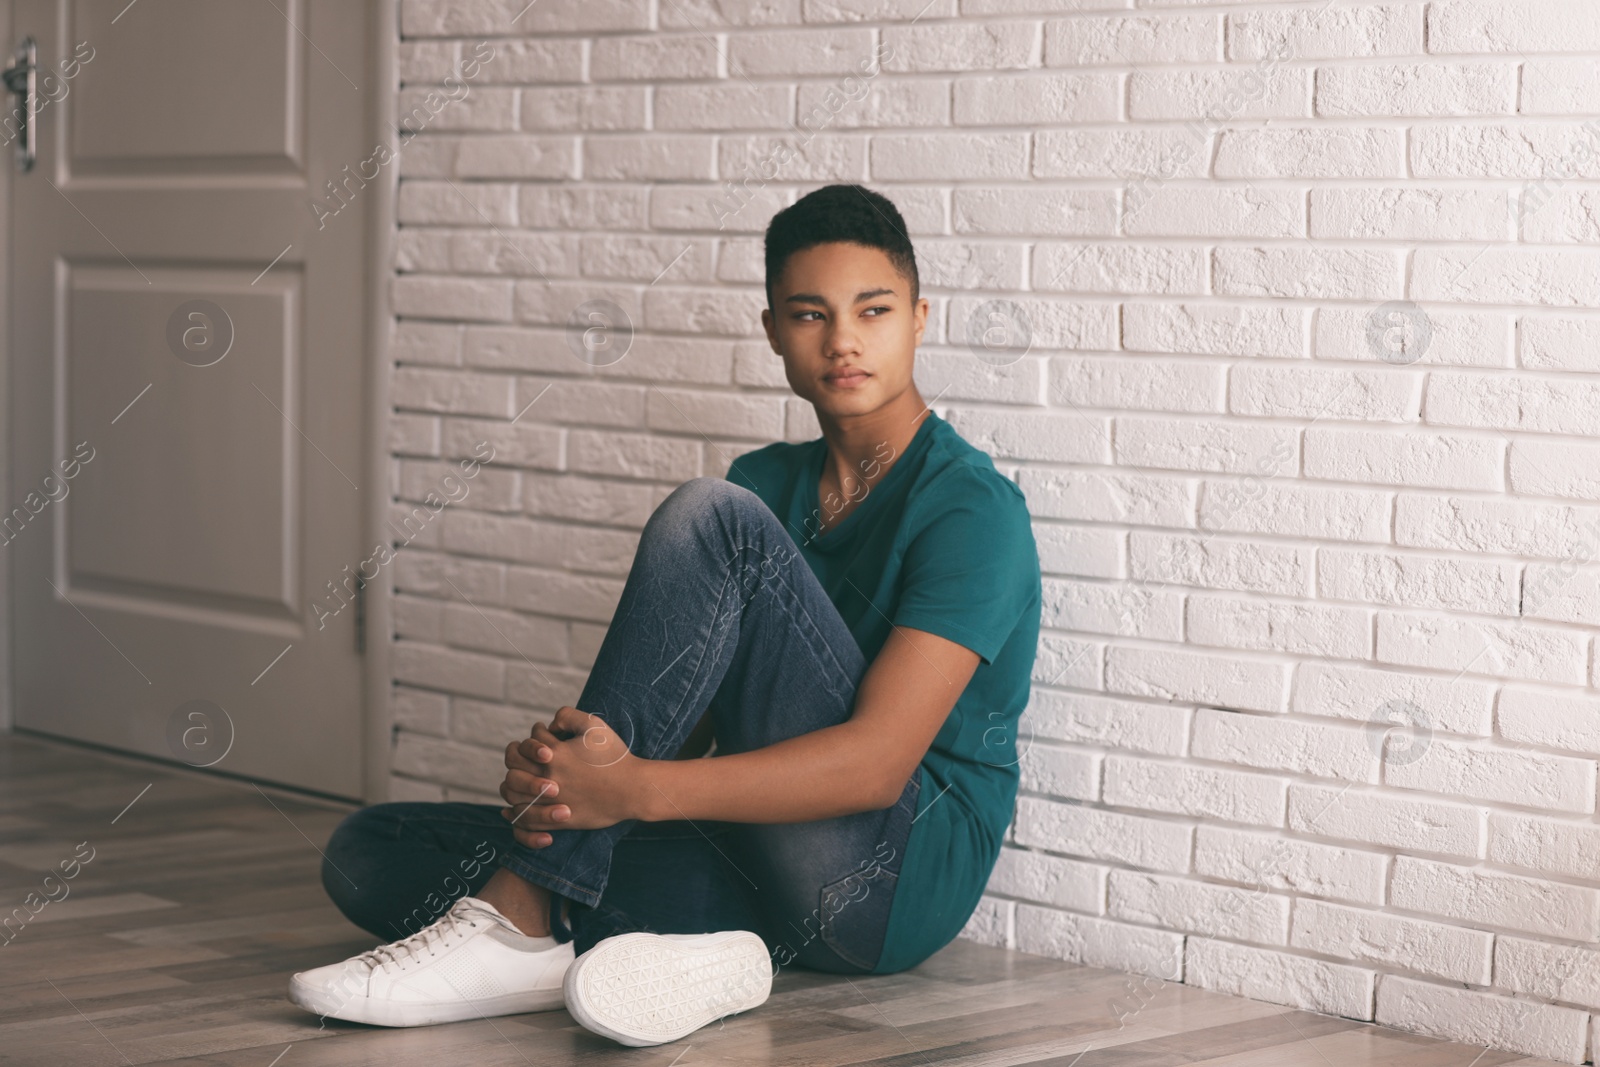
(851, 213)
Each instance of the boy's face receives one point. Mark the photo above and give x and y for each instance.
(843, 321)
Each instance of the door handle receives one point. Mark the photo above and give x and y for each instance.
(22, 79)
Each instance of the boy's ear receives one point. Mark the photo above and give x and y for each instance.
(769, 324)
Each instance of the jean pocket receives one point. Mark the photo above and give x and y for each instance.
(855, 914)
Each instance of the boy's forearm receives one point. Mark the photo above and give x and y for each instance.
(819, 775)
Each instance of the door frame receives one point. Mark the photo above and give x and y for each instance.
(7, 680)
(382, 17)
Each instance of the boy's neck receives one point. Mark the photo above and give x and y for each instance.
(863, 447)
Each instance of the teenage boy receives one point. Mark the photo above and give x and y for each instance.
(851, 622)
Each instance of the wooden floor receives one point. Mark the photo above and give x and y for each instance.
(175, 943)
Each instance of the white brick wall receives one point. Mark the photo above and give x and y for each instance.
(1276, 517)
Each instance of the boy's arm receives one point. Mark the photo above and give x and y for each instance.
(859, 765)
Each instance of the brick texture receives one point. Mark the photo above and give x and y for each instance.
(1305, 428)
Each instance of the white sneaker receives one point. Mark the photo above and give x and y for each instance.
(647, 989)
(472, 963)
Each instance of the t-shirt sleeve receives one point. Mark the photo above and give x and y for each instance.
(972, 569)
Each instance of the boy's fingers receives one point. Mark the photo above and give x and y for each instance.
(530, 809)
(519, 798)
(536, 816)
(527, 755)
(573, 722)
(536, 748)
(531, 838)
(530, 783)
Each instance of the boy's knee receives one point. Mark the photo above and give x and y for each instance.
(703, 503)
(704, 493)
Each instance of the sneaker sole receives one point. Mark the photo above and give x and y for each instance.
(390, 1013)
(647, 989)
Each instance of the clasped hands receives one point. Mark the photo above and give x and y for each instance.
(574, 774)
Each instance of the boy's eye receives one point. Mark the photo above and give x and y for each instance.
(879, 307)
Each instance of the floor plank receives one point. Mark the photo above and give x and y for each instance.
(175, 943)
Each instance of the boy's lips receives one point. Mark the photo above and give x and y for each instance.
(846, 376)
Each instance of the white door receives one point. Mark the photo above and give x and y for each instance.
(187, 371)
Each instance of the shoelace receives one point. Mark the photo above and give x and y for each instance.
(398, 953)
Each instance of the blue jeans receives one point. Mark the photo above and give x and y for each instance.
(719, 611)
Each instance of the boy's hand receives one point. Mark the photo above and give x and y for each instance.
(574, 774)
(526, 785)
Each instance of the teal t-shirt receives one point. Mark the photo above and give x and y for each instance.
(942, 543)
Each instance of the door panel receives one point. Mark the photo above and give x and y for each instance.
(245, 56)
(201, 506)
(189, 345)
